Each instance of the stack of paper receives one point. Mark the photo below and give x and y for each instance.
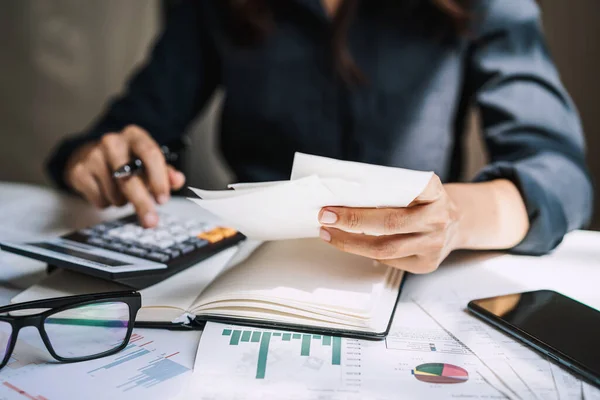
(289, 209)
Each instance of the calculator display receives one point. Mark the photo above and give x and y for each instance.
(80, 254)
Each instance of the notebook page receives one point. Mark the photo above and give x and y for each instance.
(301, 271)
(253, 300)
(376, 323)
(247, 308)
(181, 289)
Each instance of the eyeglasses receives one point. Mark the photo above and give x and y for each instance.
(73, 328)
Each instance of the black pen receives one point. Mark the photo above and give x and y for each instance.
(136, 165)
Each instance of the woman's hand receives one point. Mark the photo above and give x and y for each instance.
(415, 239)
(486, 215)
(89, 172)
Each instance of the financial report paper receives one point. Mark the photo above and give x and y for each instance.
(434, 350)
(155, 365)
(237, 362)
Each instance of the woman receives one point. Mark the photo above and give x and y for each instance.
(381, 81)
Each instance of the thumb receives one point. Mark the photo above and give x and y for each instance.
(432, 192)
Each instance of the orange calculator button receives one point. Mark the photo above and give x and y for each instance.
(217, 234)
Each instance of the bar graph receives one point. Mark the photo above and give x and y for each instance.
(154, 365)
(157, 371)
(143, 366)
(264, 339)
(131, 352)
(269, 362)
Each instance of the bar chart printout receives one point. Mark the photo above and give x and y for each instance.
(147, 367)
(152, 366)
(263, 339)
(236, 361)
(242, 362)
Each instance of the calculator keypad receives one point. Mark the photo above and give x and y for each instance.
(172, 238)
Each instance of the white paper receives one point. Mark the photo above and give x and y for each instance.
(395, 185)
(155, 366)
(445, 294)
(590, 392)
(527, 374)
(289, 209)
(252, 185)
(285, 211)
(277, 367)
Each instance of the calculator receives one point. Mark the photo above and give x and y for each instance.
(124, 252)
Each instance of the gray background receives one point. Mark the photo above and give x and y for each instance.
(60, 60)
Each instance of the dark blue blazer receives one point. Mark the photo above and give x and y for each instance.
(283, 96)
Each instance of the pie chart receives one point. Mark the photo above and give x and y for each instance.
(440, 373)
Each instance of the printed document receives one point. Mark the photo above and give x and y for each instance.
(419, 360)
(289, 209)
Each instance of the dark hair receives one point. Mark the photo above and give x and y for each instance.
(252, 21)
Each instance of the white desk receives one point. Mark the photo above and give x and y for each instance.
(573, 269)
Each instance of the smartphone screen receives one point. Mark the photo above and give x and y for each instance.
(569, 330)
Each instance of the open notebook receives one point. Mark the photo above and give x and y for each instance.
(302, 284)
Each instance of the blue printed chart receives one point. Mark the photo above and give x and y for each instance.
(152, 366)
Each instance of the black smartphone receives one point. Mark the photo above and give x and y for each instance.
(564, 329)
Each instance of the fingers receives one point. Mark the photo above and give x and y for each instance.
(89, 171)
(98, 165)
(83, 182)
(176, 178)
(416, 253)
(415, 238)
(375, 247)
(386, 221)
(137, 193)
(133, 188)
(144, 147)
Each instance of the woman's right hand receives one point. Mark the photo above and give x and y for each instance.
(90, 167)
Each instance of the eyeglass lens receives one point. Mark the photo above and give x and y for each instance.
(87, 330)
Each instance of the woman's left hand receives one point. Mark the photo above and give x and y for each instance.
(416, 238)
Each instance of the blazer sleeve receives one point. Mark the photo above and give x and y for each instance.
(531, 127)
(164, 95)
